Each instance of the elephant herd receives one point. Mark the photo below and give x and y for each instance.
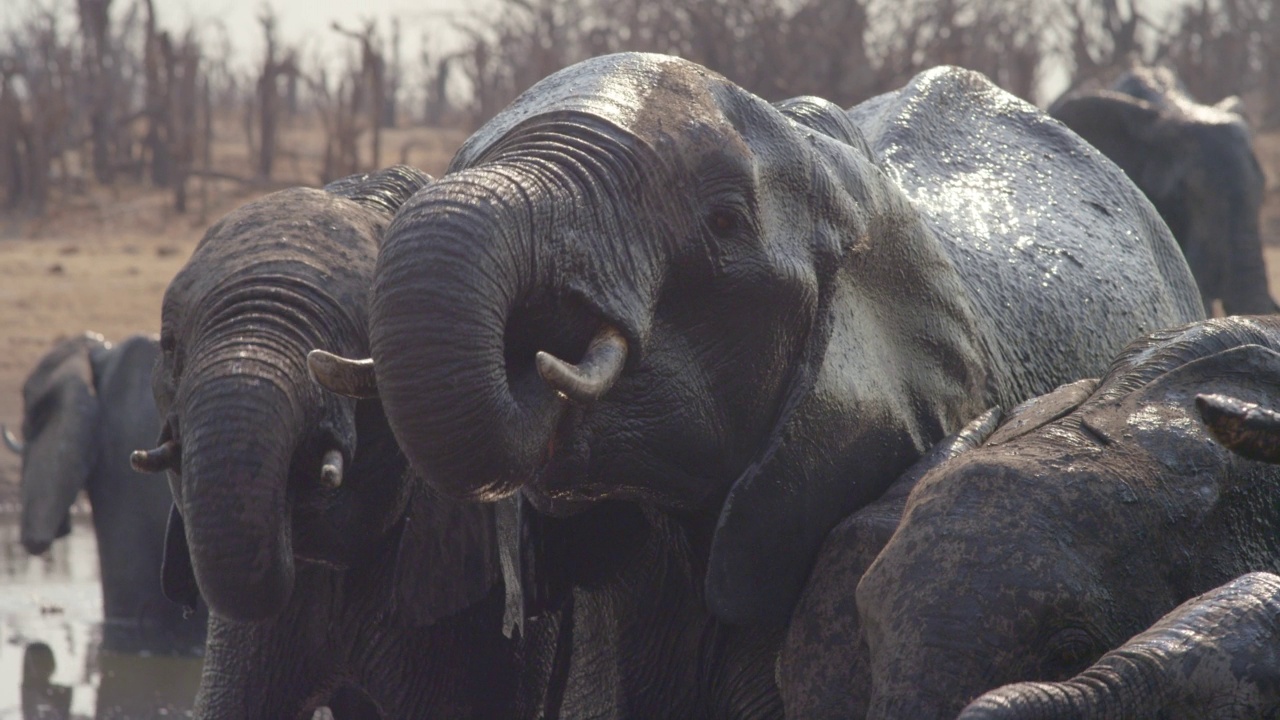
(665, 401)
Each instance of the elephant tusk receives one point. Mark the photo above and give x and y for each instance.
(590, 379)
(343, 376)
(157, 459)
(11, 441)
(1243, 427)
(331, 469)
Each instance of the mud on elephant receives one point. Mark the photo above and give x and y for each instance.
(1196, 164)
(642, 283)
(86, 405)
(1088, 514)
(332, 577)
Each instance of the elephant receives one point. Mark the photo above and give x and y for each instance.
(86, 405)
(823, 665)
(1196, 164)
(333, 577)
(1089, 513)
(1231, 671)
(640, 283)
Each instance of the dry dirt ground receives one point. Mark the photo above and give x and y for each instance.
(101, 261)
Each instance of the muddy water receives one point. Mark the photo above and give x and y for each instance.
(51, 613)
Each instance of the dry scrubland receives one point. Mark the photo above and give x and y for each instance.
(101, 260)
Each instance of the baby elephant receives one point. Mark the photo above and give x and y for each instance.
(1086, 516)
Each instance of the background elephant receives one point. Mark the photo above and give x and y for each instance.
(86, 405)
(1086, 516)
(332, 577)
(1197, 165)
(1229, 672)
(773, 310)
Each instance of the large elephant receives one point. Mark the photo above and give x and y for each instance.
(332, 577)
(773, 310)
(1088, 514)
(86, 405)
(1229, 671)
(1196, 164)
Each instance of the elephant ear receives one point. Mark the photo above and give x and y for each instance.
(827, 118)
(177, 579)
(841, 436)
(1133, 134)
(446, 558)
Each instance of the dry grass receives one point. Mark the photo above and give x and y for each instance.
(102, 261)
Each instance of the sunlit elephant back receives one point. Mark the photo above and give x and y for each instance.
(1197, 165)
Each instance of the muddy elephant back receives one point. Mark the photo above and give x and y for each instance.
(1065, 260)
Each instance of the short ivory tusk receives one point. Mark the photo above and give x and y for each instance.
(1243, 427)
(343, 376)
(11, 441)
(331, 469)
(155, 460)
(590, 379)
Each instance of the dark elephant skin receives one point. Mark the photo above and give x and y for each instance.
(86, 406)
(1080, 521)
(337, 582)
(809, 299)
(823, 669)
(1215, 657)
(1196, 164)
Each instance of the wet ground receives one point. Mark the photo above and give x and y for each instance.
(51, 630)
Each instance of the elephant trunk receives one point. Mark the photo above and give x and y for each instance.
(238, 437)
(1245, 289)
(462, 395)
(1126, 686)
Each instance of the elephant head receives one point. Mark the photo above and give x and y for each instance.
(266, 469)
(641, 282)
(1196, 164)
(1075, 526)
(62, 440)
(1213, 656)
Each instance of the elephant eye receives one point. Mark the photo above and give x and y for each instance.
(724, 222)
(1071, 650)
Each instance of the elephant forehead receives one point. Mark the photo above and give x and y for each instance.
(646, 95)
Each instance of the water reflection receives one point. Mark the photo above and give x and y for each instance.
(51, 661)
(42, 699)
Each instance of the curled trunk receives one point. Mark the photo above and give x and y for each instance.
(238, 438)
(455, 267)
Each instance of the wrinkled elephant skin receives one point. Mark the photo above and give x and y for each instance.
(333, 577)
(1059, 539)
(808, 298)
(641, 283)
(1230, 669)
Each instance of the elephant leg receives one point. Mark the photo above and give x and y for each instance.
(1246, 291)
